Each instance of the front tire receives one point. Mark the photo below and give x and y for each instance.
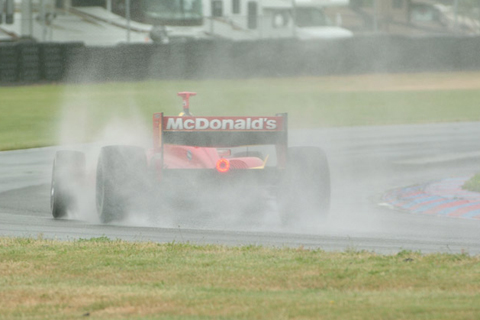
(121, 178)
(68, 174)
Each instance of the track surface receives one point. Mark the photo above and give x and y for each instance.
(365, 162)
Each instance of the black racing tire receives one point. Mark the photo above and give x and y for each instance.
(305, 189)
(121, 177)
(68, 174)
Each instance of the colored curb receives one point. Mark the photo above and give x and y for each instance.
(442, 198)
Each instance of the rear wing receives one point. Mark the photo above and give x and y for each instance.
(221, 132)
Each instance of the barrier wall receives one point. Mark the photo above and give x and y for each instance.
(73, 62)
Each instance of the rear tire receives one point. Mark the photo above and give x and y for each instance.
(121, 179)
(67, 176)
(305, 191)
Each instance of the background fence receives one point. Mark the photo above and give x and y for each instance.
(74, 62)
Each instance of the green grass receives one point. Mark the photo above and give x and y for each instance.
(473, 184)
(117, 280)
(43, 115)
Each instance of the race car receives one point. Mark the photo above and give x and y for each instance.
(195, 160)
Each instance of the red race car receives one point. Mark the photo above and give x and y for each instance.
(196, 161)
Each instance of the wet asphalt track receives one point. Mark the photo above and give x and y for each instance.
(365, 162)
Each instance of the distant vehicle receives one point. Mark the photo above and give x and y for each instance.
(196, 162)
(97, 22)
(313, 23)
(237, 19)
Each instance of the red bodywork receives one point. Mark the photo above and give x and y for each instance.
(189, 142)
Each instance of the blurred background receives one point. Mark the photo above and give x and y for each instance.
(102, 40)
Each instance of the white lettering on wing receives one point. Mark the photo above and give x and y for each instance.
(254, 124)
(174, 124)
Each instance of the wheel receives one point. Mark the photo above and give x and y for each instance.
(121, 178)
(68, 174)
(305, 189)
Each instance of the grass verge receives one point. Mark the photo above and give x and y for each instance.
(103, 279)
(34, 116)
(473, 184)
